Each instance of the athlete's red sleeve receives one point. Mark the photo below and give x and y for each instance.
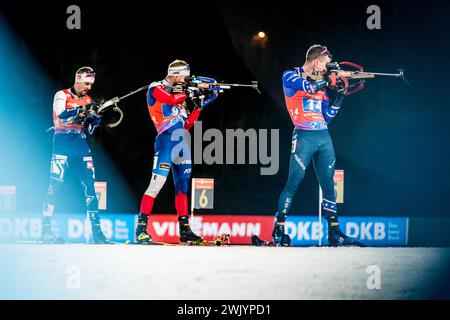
(166, 97)
(191, 119)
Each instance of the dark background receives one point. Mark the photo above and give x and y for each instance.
(391, 139)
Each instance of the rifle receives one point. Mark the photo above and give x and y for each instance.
(214, 86)
(112, 104)
(192, 83)
(352, 81)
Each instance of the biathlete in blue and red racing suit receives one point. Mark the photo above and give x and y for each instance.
(311, 111)
(71, 118)
(166, 101)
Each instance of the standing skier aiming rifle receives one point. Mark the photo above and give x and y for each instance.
(166, 101)
(311, 111)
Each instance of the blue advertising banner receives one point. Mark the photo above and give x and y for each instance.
(119, 227)
(74, 228)
(372, 231)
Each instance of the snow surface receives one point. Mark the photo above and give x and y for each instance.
(80, 271)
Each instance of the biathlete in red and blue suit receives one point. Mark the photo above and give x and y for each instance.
(71, 118)
(311, 111)
(166, 101)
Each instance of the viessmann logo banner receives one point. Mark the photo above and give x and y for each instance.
(241, 228)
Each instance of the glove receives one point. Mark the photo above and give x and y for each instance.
(87, 110)
(93, 121)
(191, 93)
(342, 85)
(338, 100)
(93, 117)
(91, 128)
(95, 105)
(81, 115)
(178, 87)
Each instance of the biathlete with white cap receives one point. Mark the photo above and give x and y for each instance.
(71, 118)
(166, 101)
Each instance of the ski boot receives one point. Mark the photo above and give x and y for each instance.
(98, 237)
(256, 241)
(48, 237)
(186, 234)
(142, 237)
(280, 238)
(337, 238)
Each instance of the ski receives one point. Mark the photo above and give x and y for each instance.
(256, 241)
(223, 240)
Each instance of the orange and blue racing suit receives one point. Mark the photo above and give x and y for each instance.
(172, 121)
(310, 110)
(71, 150)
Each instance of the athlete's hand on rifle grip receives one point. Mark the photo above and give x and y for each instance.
(178, 88)
(81, 114)
(338, 100)
(203, 85)
(190, 93)
(92, 113)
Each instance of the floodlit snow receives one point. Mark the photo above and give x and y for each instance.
(235, 272)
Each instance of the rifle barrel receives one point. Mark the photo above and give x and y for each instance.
(254, 85)
(385, 74)
(115, 100)
(236, 85)
(134, 92)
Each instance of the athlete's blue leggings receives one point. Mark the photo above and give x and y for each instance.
(307, 145)
(172, 151)
(71, 152)
(176, 155)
